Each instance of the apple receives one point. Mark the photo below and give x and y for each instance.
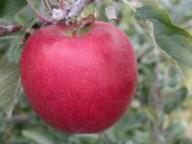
(79, 84)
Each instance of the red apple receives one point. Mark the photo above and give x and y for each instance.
(79, 84)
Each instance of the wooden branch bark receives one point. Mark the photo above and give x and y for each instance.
(5, 30)
(78, 7)
(74, 11)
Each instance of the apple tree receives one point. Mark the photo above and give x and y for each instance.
(95, 71)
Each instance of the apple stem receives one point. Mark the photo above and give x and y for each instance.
(74, 33)
(83, 22)
(5, 30)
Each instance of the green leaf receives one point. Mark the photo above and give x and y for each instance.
(39, 137)
(10, 7)
(173, 98)
(14, 51)
(176, 131)
(25, 16)
(173, 40)
(10, 86)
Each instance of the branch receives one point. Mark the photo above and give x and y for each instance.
(74, 11)
(78, 7)
(156, 92)
(5, 30)
(157, 100)
(19, 118)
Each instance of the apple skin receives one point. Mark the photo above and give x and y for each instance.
(79, 84)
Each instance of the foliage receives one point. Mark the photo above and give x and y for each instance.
(160, 112)
(171, 38)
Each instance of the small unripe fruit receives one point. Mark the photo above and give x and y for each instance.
(79, 84)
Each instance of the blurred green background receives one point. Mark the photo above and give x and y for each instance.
(161, 109)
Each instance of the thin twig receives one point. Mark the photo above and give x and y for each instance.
(144, 53)
(47, 5)
(41, 17)
(5, 30)
(62, 4)
(19, 118)
(156, 92)
(157, 100)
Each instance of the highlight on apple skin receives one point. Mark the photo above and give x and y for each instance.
(79, 84)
